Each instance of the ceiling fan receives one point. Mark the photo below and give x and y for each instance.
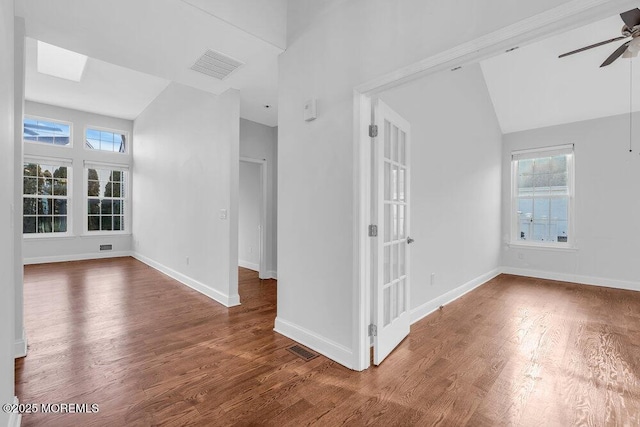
(629, 49)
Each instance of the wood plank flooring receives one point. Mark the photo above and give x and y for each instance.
(150, 351)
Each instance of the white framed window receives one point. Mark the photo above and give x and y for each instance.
(107, 201)
(542, 182)
(103, 139)
(47, 131)
(46, 201)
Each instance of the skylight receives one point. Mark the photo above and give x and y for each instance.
(58, 62)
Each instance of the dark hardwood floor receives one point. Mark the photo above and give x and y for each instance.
(150, 351)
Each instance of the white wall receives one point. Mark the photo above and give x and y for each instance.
(6, 206)
(456, 146)
(80, 245)
(250, 207)
(258, 141)
(607, 206)
(328, 54)
(185, 172)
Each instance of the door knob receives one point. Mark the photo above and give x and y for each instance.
(410, 240)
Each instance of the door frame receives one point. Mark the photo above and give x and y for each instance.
(262, 269)
(567, 16)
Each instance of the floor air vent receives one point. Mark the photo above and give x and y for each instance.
(216, 64)
(302, 352)
(106, 247)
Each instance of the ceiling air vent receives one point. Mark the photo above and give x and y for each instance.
(215, 64)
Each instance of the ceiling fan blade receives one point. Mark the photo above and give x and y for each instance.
(582, 49)
(631, 18)
(615, 55)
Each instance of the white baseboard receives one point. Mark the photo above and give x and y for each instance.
(322, 345)
(226, 300)
(429, 307)
(270, 274)
(574, 278)
(15, 419)
(20, 345)
(249, 265)
(76, 257)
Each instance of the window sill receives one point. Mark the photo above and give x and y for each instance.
(47, 236)
(539, 247)
(100, 235)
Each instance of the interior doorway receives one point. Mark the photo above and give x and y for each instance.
(432, 287)
(252, 203)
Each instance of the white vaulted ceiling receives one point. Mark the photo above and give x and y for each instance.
(104, 89)
(164, 38)
(266, 19)
(531, 87)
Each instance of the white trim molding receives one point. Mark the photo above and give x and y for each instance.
(272, 274)
(264, 225)
(15, 419)
(226, 300)
(517, 233)
(250, 265)
(316, 342)
(20, 345)
(574, 278)
(561, 18)
(429, 307)
(76, 257)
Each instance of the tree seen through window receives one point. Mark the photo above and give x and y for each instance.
(105, 199)
(45, 198)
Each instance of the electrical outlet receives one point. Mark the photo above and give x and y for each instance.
(187, 260)
(433, 279)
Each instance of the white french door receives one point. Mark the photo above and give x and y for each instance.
(391, 198)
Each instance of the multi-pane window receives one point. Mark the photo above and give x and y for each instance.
(106, 199)
(542, 196)
(48, 193)
(114, 142)
(45, 198)
(46, 132)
